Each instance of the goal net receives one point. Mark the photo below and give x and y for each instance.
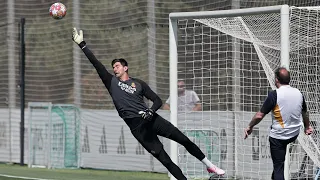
(228, 58)
(54, 136)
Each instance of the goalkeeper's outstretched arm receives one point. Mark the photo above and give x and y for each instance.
(101, 69)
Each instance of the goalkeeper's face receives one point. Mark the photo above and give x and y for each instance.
(119, 70)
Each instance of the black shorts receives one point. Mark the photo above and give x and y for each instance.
(147, 133)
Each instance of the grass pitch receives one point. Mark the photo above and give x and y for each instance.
(16, 172)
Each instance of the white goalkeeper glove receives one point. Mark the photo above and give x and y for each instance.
(77, 38)
(147, 114)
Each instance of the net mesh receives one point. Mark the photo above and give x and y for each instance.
(304, 66)
(230, 63)
(54, 132)
(231, 82)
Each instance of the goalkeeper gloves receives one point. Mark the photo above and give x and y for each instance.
(147, 114)
(78, 38)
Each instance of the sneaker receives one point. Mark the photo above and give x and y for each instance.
(215, 169)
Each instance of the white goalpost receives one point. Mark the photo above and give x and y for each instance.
(228, 58)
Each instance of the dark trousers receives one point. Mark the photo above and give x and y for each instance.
(147, 134)
(278, 149)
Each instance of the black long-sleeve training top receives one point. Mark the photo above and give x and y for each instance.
(128, 96)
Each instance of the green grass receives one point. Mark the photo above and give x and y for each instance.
(76, 174)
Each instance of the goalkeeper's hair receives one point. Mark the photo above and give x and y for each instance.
(283, 78)
(122, 61)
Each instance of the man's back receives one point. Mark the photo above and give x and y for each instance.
(287, 106)
(286, 114)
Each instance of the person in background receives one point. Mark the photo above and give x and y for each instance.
(188, 100)
(287, 105)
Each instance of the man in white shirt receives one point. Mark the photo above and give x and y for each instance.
(188, 100)
(287, 105)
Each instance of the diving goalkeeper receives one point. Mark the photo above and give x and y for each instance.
(145, 124)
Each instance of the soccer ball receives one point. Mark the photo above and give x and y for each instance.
(58, 10)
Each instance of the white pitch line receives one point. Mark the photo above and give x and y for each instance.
(21, 177)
